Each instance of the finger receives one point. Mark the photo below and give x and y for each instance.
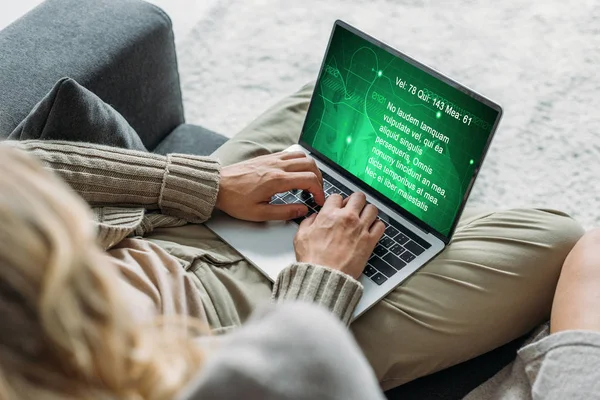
(369, 215)
(356, 202)
(376, 231)
(305, 164)
(300, 180)
(290, 155)
(334, 201)
(308, 221)
(280, 212)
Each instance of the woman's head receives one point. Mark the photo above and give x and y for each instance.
(65, 330)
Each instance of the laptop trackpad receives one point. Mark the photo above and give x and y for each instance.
(269, 246)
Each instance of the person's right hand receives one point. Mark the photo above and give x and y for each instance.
(341, 236)
(246, 188)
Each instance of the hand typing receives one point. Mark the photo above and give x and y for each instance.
(341, 236)
(246, 188)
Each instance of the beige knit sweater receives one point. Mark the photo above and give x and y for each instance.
(132, 192)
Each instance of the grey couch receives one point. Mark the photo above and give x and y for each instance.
(123, 51)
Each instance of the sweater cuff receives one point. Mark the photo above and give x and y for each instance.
(332, 289)
(190, 186)
(543, 343)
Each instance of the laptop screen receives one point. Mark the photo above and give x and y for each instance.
(414, 136)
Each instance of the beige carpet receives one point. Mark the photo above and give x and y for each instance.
(539, 59)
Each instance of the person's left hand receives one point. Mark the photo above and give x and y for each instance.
(246, 188)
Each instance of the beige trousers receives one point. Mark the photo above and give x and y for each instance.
(494, 282)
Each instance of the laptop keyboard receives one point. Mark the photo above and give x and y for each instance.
(398, 246)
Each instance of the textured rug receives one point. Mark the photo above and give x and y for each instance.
(539, 59)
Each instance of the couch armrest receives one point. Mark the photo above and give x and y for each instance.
(122, 50)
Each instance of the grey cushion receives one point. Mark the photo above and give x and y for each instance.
(122, 50)
(191, 139)
(71, 112)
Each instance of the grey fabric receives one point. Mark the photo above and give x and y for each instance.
(122, 50)
(191, 139)
(562, 365)
(71, 112)
(295, 351)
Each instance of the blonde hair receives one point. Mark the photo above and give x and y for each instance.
(66, 332)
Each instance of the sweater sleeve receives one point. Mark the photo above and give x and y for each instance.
(182, 186)
(292, 351)
(563, 365)
(329, 288)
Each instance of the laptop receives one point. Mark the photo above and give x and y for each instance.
(410, 138)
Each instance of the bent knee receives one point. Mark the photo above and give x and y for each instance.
(562, 230)
(584, 259)
(591, 239)
(556, 232)
(576, 298)
(589, 244)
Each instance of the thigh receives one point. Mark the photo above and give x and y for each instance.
(275, 130)
(494, 282)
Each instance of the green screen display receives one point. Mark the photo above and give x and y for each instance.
(407, 134)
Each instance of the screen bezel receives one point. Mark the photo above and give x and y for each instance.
(374, 192)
